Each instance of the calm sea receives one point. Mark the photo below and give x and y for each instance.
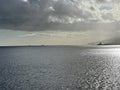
(60, 68)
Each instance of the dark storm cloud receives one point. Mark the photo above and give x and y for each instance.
(17, 14)
(13, 12)
(46, 15)
(35, 14)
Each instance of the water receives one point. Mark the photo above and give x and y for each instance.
(60, 68)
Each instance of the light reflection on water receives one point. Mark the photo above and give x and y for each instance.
(105, 76)
(59, 68)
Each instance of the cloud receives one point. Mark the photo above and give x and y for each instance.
(13, 12)
(28, 35)
(39, 15)
(104, 1)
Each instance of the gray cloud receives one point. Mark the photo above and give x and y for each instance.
(17, 14)
(13, 12)
(103, 1)
(49, 15)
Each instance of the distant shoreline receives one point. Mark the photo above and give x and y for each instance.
(68, 46)
(107, 44)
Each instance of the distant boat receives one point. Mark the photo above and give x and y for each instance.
(100, 43)
(42, 45)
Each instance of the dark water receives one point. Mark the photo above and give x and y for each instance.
(59, 68)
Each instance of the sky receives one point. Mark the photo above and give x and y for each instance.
(58, 22)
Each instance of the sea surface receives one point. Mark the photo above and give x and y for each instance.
(60, 68)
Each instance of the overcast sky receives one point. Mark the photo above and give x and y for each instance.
(58, 22)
